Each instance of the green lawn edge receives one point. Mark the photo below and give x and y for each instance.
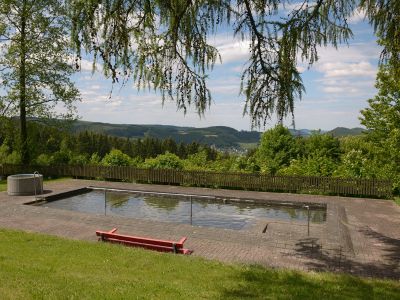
(37, 266)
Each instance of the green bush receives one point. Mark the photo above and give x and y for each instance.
(322, 145)
(95, 159)
(277, 148)
(79, 159)
(116, 158)
(43, 160)
(164, 161)
(14, 158)
(4, 152)
(310, 166)
(197, 162)
(61, 158)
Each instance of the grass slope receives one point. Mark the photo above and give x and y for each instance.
(42, 267)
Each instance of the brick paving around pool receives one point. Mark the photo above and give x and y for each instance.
(360, 236)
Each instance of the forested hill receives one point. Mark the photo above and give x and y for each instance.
(342, 131)
(220, 136)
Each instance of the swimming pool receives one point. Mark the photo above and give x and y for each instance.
(194, 210)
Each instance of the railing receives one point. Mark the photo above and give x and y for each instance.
(258, 182)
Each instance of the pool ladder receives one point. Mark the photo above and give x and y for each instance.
(35, 175)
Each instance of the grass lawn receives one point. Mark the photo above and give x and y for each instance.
(40, 266)
(397, 200)
(3, 183)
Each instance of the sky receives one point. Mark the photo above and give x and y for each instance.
(337, 88)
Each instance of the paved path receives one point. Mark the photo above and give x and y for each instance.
(361, 236)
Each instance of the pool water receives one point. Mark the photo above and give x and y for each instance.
(198, 212)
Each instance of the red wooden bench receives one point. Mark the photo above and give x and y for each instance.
(135, 241)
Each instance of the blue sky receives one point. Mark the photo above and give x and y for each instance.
(337, 87)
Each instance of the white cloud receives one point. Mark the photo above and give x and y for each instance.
(95, 87)
(344, 69)
(232, 89)
(339, 90)
(225, 86)
(357, 17)
(147, 109)
(348, 71)
(288, 7)
(354, 52)
(347, 87)
(231, 49)
(87, 66)
(238, 69)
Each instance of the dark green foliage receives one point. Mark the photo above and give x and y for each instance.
(164, 161)
(312, 165)
(116, 158)
(322, 145)
(219, 136)
(383, 121)
(368, 156)
(277, 148)
(55, 145)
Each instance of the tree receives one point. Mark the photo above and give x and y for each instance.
(277, 148)
(322, 145)
(312, 165)
(164, 44)
(116, 158)
(384, 16)
(35, 62)
(382, 118)
(164, 161)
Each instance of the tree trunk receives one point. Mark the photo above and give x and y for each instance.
(22, 90)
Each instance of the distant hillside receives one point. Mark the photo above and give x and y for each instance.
(343, 131)
(220, 136)
(300, 132)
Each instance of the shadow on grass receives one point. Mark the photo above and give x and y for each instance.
(338, 261)
(257, 283)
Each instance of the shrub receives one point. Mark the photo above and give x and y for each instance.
(116, 158)
(79, 159)
(43, 160)
(277, 148)
(164, 161)
(4, 152)
(14, 158)
(310, 166)
(95, 159)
